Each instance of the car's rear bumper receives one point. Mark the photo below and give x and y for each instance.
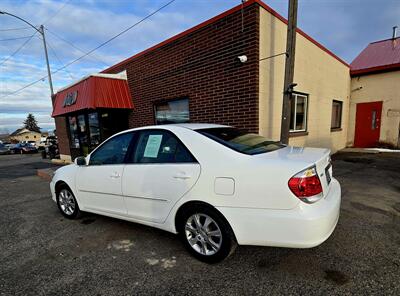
(305, 226)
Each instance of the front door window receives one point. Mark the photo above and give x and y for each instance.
(113, 151)
(373, 119)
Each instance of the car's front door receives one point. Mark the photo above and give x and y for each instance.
(99, 182)
(157, 174)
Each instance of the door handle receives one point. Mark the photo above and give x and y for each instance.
(182, 176)
(115, 175)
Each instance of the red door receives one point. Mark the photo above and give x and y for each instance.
(368, 124)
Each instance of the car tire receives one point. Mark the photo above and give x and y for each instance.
(209, 243)
(67, 203)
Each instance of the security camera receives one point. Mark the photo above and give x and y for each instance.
(242, 58)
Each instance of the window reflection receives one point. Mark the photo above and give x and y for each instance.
(176, 111)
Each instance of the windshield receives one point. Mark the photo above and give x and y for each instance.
(241, 141)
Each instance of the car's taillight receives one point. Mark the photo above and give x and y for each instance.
(306, 185)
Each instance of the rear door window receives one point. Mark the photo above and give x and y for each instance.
(160, 146)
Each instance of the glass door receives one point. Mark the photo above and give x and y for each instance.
(94, 130)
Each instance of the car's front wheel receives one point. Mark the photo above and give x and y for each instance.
(67, 203)
(206, 234)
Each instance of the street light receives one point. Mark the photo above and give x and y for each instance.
(41, 31)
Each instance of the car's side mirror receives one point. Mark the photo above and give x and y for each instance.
(80, 161)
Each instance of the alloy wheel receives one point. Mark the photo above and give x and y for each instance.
(67, 202)
(203, 234)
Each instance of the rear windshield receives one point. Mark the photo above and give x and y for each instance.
(241, 141)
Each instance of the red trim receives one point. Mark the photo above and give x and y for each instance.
(216, 18)
(384, 68)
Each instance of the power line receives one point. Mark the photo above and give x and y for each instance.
(119, 34)
(89, 52)
(11, 39)
(14, 29)
(26, 86)
(61, 63)
(74, 46)
(19, 48)
(57, 12)
(274, 56)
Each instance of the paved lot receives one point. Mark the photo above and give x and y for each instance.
(43, 254)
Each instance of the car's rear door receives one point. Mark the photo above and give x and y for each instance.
(99, 182)
(158, 173)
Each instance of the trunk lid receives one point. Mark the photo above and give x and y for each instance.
(300, 158)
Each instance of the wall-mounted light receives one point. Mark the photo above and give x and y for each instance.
(242, 58)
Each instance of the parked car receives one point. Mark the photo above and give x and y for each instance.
(7, 144)
(23, 148)
(41, 146)
(4, 149)
(215, 186)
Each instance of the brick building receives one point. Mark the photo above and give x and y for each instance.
(196, 76)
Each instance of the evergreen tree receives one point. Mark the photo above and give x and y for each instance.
(30, 123)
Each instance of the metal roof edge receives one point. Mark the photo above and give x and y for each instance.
(122, 75)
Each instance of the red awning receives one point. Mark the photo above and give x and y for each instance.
(91, 93)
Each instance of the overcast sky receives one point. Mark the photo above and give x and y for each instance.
(343, 26)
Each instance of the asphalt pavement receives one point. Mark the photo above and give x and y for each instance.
(41, 253)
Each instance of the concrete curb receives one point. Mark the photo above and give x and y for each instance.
(46, 174)
(60, 161)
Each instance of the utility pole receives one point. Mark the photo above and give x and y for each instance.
(41, 32)
(47, 62)
(289, 70)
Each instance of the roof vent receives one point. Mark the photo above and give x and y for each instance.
(394, 32)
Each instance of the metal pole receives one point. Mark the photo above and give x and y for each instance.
(289, 70)
(47, 62)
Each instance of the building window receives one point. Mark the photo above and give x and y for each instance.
(176, 111)
(298, 112)
(336, 120)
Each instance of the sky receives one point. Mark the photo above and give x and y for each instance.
(74, 27)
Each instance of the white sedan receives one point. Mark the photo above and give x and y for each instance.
(215, 186)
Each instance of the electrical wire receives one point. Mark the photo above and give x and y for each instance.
(14, 29)
(18, 49)
(56, 56)
(57, 12)
(74, 46)
(18, 38)
(89, 52)
(274, 56)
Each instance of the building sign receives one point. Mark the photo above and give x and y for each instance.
(70, 98)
